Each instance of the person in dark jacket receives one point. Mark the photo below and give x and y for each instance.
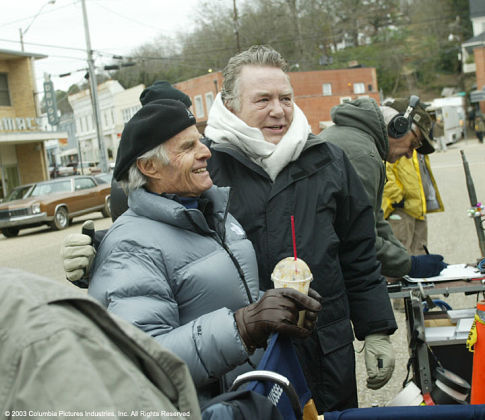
(361, 131)
(177, 264)
(262, 147)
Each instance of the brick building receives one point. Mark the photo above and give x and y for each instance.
(479, 54)
(22, 152)
(316, 92)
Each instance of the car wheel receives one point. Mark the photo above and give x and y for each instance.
(61, 219)
(10, 232)
(107, 208)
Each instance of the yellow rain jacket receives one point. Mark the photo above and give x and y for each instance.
(404, 183)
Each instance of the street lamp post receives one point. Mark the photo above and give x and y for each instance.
(22, 32)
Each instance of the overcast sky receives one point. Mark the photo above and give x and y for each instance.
(115, 26)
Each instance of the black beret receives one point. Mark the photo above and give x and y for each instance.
(154, 124)
(161, 89)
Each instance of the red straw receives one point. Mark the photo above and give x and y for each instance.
(293, 234)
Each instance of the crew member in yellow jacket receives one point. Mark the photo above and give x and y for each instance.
(410, 192)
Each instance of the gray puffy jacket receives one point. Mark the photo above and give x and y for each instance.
(179, 275)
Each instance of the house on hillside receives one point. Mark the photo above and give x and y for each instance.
(477, 16)
(474, 48)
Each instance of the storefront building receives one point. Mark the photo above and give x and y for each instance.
(23, 156)
(117, 105)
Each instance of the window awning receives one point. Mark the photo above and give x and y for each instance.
(23, 137)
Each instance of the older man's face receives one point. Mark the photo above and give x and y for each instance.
(186, 175)
(266, 101)
(404, 146)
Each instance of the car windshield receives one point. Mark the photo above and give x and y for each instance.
(51, 188)
(19, 193)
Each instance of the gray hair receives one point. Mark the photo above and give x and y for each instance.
(258, 55)
(389, 113)
(136, 179)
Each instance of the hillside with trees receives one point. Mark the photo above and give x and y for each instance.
(413, 44)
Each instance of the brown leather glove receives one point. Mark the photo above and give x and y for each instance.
(277, 311)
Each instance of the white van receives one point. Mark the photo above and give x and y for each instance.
(453, 111)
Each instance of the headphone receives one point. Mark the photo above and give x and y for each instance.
(401, 123)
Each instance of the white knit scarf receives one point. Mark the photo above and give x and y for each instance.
(224, 127)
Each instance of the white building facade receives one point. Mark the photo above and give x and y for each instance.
(116, 105)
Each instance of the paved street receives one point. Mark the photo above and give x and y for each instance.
(451, 233)
(38, 249)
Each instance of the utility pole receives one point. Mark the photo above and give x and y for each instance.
(94, 94)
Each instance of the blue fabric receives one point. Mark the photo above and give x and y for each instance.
(280, 357)
(436, 412)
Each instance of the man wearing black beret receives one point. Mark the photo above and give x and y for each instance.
(77, 251)
(161, 89)
(177, 262)
(154, 124)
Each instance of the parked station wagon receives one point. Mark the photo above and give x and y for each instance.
(54, 203)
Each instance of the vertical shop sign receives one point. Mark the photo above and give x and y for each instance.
(51, 104)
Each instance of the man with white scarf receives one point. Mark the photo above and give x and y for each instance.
(262, 147)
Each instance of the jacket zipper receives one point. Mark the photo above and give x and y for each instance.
(221, 239)
(231, 255)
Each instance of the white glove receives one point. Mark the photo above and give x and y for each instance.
(78, 254)
(379, 360)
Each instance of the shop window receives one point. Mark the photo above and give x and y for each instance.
(126, 114)
(106, 119)
(4, 93)
(209, 100)
(359, 88)
(199, 107)
(12, 178)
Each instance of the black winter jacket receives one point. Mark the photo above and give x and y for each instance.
(334, 235)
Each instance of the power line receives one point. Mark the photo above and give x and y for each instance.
(51, 10)
(44, 45)
(130, 19)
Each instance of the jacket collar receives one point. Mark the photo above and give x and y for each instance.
(165, 210)
(310, 161)
(237, 154)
